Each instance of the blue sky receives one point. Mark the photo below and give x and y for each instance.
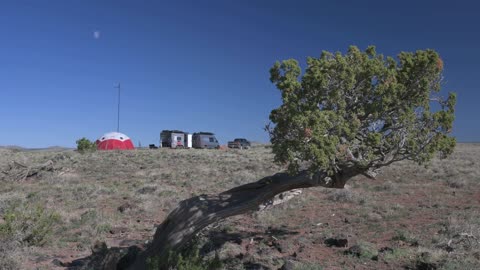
(201, 65)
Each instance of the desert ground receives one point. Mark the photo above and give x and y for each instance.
(57, 206)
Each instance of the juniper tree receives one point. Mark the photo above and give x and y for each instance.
(361, 111)
(346, 115)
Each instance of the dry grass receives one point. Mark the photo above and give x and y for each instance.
(421, 214)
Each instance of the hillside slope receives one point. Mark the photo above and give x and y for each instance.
(410, 217)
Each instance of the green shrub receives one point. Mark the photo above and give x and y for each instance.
(31, 225)
(85, 145)
(188, 259)
(103, 228)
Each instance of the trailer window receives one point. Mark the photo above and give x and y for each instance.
(179, 139)
(212, 140)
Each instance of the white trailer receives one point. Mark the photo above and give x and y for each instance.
(175, 139)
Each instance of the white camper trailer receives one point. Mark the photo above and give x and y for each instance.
(175, 139)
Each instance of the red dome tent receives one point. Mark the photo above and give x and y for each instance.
(114, 141)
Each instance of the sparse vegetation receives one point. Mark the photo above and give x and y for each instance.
(402, 235)
(31, 225)
(187, 259)
(9, 254)
(345, 195)
(408, 211)
(308, 266)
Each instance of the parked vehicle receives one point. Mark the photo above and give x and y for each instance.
(175, 139)
(205, 140)
(152, 146)
(239, 143)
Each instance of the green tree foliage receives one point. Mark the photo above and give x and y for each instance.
(361, 110)
(85, 145)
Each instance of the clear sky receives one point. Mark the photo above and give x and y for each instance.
(201, 65)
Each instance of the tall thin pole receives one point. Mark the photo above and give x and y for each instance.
(118, 109)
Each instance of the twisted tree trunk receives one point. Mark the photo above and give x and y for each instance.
(194, 214)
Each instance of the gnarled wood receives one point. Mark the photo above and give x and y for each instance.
(194, 214)
(17, 171)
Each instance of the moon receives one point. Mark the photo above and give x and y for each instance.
(96, 34)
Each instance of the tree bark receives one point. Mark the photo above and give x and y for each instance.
(194, 214)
